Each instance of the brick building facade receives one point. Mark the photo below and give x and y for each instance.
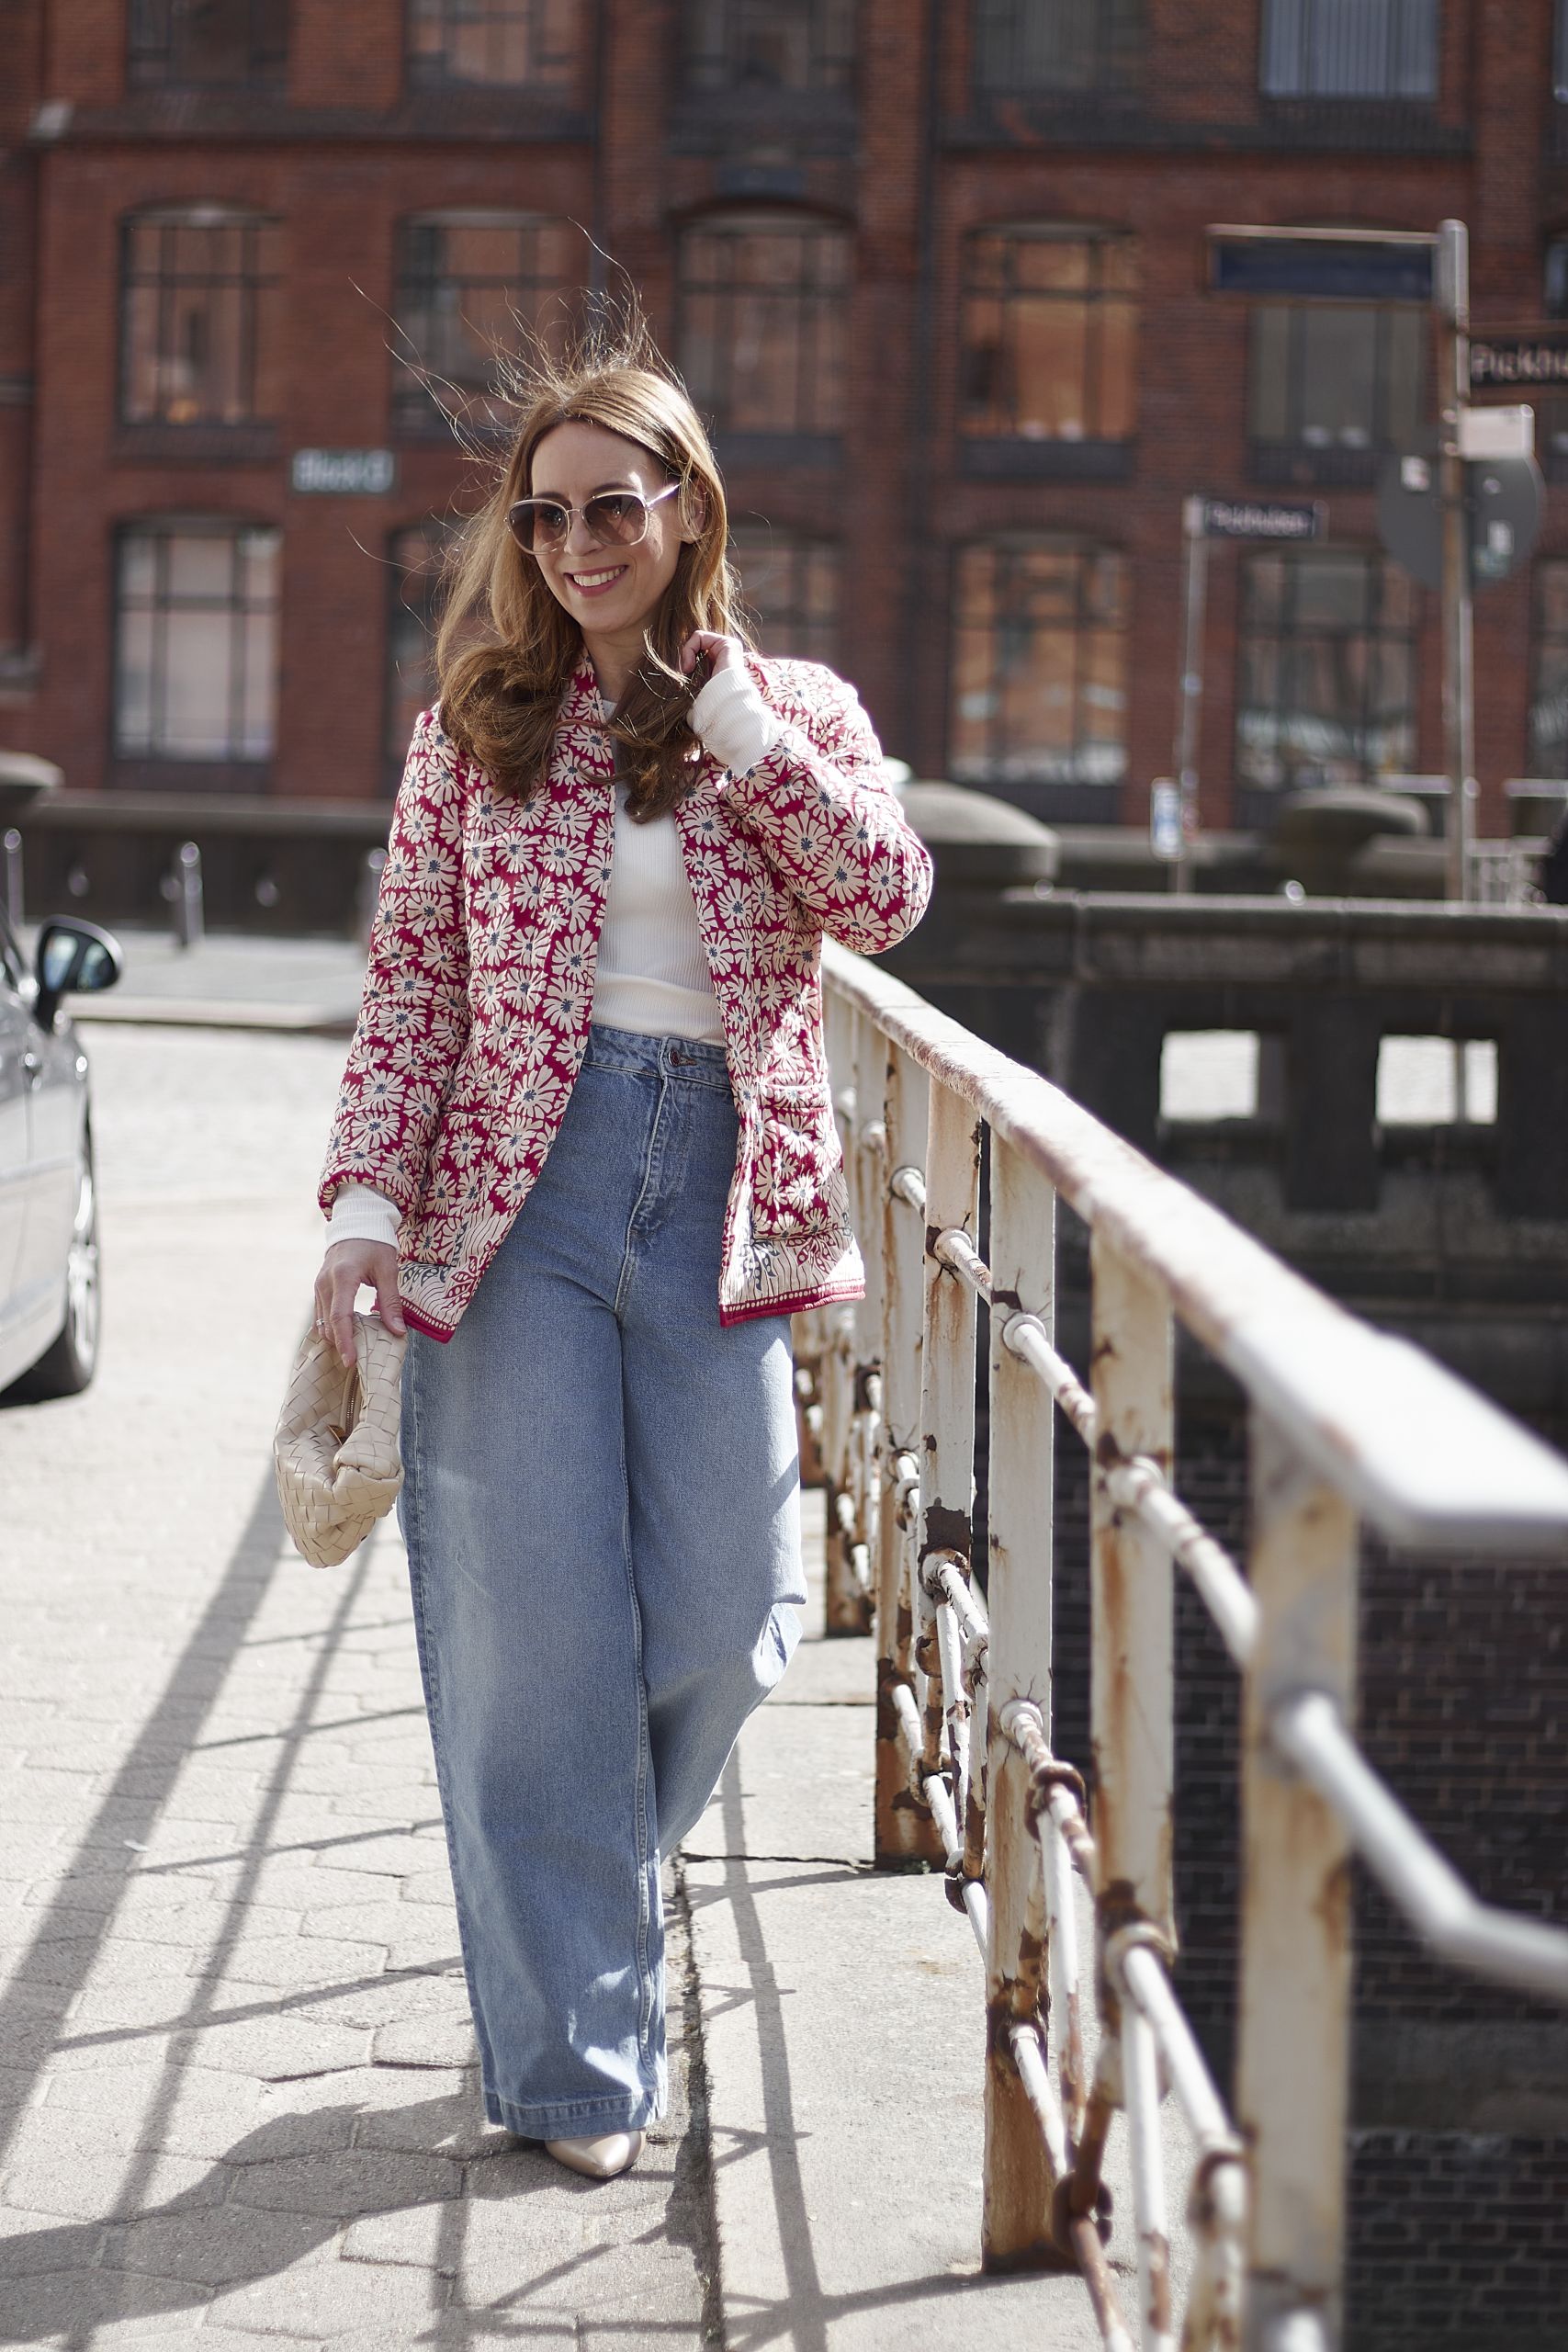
(936, 274)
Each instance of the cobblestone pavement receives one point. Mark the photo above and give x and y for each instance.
(236, 2091)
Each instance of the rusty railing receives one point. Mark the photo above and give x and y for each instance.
(1345, 1424)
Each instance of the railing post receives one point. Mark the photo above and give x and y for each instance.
(1292, 2066)
(853, 1505)
(1131, 1581)
(1019, 2186)
(904, 1831)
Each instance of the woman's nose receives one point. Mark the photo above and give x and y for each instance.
(579, 538)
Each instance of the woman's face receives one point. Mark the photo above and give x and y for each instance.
(610, 591)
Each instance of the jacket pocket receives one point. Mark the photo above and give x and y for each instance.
(797, 1177)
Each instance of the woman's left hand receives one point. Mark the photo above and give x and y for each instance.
(723, 652)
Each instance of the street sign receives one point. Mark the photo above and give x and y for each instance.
(338, 473)
(1262, 518)
(1504, 497)
(1497, 432)
(1322, 265)
(1499, 361)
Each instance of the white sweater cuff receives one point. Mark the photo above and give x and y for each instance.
(362, 1213)
(733, 721)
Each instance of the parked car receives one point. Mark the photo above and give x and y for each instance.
(49, 1216)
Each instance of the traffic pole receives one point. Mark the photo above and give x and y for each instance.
(1452, 291)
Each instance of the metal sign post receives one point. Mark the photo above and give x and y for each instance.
(1452, 291)
(1204, 519)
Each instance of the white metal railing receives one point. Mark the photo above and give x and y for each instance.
(1347, 1423)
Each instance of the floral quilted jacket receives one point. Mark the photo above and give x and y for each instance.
(480, 986)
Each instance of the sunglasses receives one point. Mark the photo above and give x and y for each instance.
(615, 518)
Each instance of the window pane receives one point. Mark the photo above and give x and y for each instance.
(763, 324)
(1366, 49)
(508, 43)
(468, 285)
(410, 636)
(1549, 687)
(196, 650)
(791, 583)
(198, 306)
(1039, 688)
(1326, 671)
(1049, 352)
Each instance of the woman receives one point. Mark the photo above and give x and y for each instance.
(585, 1145)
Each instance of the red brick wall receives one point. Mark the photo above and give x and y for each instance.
(912, 189)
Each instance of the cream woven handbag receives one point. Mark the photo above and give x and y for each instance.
(336, 1445)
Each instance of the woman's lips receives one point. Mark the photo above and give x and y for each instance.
(592, 584)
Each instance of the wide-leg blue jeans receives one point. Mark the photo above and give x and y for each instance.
(600, 1513)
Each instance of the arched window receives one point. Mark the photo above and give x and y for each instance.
(511, 44)
(791, 583)
(196, 639)
(763, 303)
(1039, 663)
(468, 285)
(198, 296)
(1050, 327)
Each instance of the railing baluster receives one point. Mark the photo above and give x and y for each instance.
(1019, 2186)
(947, 1377)
(1293, 2053)
(904, 1831)
(1130, 1575)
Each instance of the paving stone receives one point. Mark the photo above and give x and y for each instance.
(358, 2180)
(213, 2249)
(326, 2299)
(60, 2183)
(290, 1960)
(71, 2304)
(443, 2041)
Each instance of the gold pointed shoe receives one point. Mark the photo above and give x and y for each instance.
(601, 2159)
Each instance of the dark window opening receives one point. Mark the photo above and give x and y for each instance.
(1328, 670)
(1335, 385)
(771, 45)
(209, 43)
(1350, 49)
(415, 576)
(1028, 47)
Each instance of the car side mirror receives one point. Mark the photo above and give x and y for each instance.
(72, 959)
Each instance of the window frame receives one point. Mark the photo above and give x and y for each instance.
(416, 410)
(802, 637)
(161, 529)
(1092, 453)
(823, 307)
(1369, 631)
(713, 73)
(1109, 41)
(550, 72)
(1540, 642)
(399, 612)
(1025, 774)
(1295, 457)
(1278, 85)
(251, 281)
(152, 45)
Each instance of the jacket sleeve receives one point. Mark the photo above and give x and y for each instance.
(829, 823)
(414, 1017)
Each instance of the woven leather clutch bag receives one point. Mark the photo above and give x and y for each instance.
(335, 1449)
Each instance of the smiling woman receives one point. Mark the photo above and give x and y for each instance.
(585, 1147)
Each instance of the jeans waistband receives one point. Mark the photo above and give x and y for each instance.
(632, 1051)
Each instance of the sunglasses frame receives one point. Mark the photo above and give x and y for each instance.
(571, 513)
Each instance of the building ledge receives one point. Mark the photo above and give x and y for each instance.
(1020, 457)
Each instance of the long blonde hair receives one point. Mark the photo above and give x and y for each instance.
(506, 652)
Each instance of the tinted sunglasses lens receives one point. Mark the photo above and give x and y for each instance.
(618, 519)
(538, 522)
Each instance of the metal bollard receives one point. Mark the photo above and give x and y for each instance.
(12, 846)
(190, 920)
(369, 891)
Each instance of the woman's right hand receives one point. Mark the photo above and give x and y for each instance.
(345, 1267)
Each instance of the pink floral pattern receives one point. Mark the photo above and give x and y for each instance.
(480, 983)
